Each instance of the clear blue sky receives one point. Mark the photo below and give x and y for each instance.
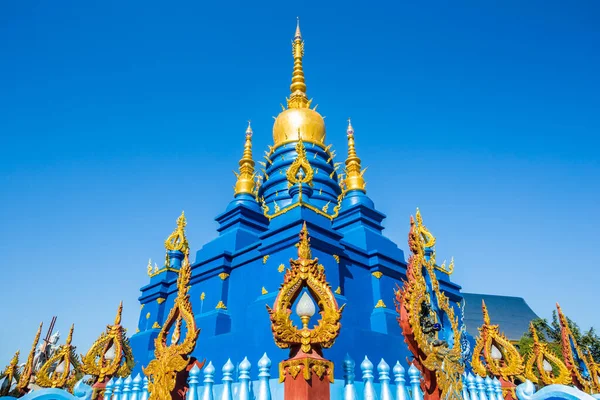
(115, 116)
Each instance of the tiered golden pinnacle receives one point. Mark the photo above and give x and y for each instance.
(354, 175)
(298, 97)
(245, 178)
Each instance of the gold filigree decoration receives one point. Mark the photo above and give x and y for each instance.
(164, 269)
(301, 203)
(320, 367)
(142, 306)
(300, 172)
(447, 270)
(137, 330)
(10, 374)
(148, 315)
(202, 296)
(304, 272)
(281, 268)
(115, 340)
(71, 368)
(439, 361)
(338, 290)
(336, 258)
(540, 356)
(265, 258)
(509, 367)
(223, 275)
(221, 306)
(27, 371)
(573, 356)
(160, 300)
(380, 304)
(174, 358)
(155, 325)
(263, 290)
(377, 274)
(176, 241)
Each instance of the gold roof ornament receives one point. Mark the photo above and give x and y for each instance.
(111, 354)
(354, 175)
(10, 375)
(174, 358)
(420, 318)
(305, 272)
(177, 240)
(245, 178)
(67, 370)
(298, 118)
(495, 354)
(545, 362)
(27, 372)
(574, 358)
(300, 172)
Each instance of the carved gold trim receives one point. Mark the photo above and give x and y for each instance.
(202, 296)
(265, 258)
(264, 291)
(281, 268)
(160, 300)
(148, 315)
(164, 269)
(338, 290)
(177, 240)
(336, 258)
(377, 274)
(380, 304)
(305, 272)
(155, 325)
(221, 306)
(540, 354)
(307, 366)
(71, 372)
(223, 275)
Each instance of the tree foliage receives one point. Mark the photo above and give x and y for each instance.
(549, 332)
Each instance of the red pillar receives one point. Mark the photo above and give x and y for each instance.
(306, 377)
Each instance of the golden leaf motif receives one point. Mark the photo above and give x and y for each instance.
(293, 367)
(300, 172)
(540, 354)
(304, 272)
(439, 362)
(174, 358)
(94, 362)
(177, 240)
(71, 372)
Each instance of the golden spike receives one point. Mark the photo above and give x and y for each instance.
(245, 179)
(354, 176)
(486, 316)
(304, 252)
(298, 98)
(119, 311)
(28, 367)
(70, 337)
(177, 240)
(533, 333)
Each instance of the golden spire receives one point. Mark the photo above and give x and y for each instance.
(304, 252)
(119, 311)
(354, 176)
(298, 97)
(28, 368)
(486, 316)
(245, 178)
(177, 240)
(298, 119)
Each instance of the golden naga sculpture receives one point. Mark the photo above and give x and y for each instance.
(305, 272)
(27, 372)
(575, 359)
(298, 118)
(10, 375)
(300, 172)
(177, 241)
(67, 369)
(494, 354)
(437, 356)
(163, 372)
(111, 354)
(545, 362)
(245, 178)
(354, 174)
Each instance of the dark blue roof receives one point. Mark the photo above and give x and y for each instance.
(511, 313)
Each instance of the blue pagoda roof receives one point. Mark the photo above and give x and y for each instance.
(513, 314)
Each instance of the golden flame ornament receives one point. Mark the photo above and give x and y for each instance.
(438, 361)
(300, 172)
(174, 358)
(545, 362)
(67, 367)
(574, 358)
(111, 354)
(10, 375)
(495, 354)
(27, 372)
(305, 272)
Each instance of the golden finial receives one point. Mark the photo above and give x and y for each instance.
(119, 311)
(177, 240)
(28, 367)
(70, 337)
(245, 178)
(354, 176)
(298, 97)
(304, 252)
(486, 316)
(533, 333)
